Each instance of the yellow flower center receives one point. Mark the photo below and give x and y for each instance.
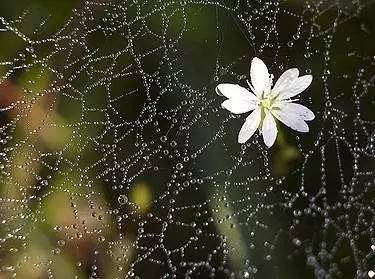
(266, 103)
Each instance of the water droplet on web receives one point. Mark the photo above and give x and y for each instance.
(179, 166)
(296, 241)
(122, 199)
(61, 242)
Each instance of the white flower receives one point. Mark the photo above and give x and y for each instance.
(268, 103)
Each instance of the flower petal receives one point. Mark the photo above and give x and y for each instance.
(250, 126)
(260, 78)
(269, 129)
(299, 85)
(233, 90)
(302, 111)
(286, 79)
(238, 105)
(291, 119)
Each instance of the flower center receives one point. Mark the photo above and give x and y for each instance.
(266, 103)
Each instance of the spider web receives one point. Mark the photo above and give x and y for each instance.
(118, 162)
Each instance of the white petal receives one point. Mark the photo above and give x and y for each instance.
(286, 79)
(269, 129)
(291, 119)
(302, 111)
(238, 105)
(299, 85)
(250, 126)
(233, 90)
(260, 78)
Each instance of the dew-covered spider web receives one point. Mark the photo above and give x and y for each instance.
(117, 161)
